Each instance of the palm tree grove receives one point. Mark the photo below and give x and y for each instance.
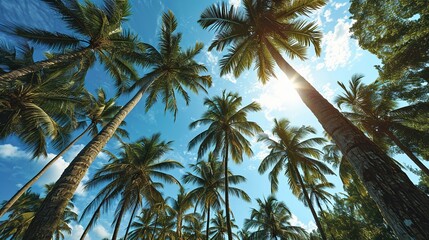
(218, 119)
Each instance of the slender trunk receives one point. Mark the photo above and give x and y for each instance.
(46, 64)
(228, 217)
(404, 207)
(179, 227)
(154, 227)
(323, 218)
(407, 151)
(208, 222)
(310, 204)
(48, 216)
(91, 222)
(131, 220)
(118, 223)
(30, 183)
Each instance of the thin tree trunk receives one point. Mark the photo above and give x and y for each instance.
(91, 222)
(30, 183)
(228, 217)
(46, 64)
(310, 204)
(131, 220)
(154, 228)
(179, 227)
(404, 207)
(118, 223)
(48, 216)
(407, 151)
(208, 222)
(323, 217)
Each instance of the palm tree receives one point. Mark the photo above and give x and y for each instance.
(289, 152)
(96, 34)
(228, 126)
(378, 116)
(219, 227)
(171, 65)
(260, 31)
(180, 205)
(209, 182)
(22, 213)
(142, 228)
(193, 229)
(271, 221)
(317, 192)
(99, 111)
(131, 178)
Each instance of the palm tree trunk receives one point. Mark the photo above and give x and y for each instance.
(310, 204)
(30, 183)
(407, 151)
(46, 64)
(154, 227)
(131, 220)
(208, 222)
(402, 204)
(48, 215)
(323, 218)
(118, 223)
(91, 222)
(179, 227)
(225, 164)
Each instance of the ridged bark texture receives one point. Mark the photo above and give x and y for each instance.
(404, 207)
(30, 183)
(310, 205)
(46, 64)
(48, 216)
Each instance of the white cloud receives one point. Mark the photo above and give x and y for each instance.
(76, 233)
(251, 167)
(10, 151)
(339, 5)
(310, 226)
(235, 3)
(100, 232)
(320, 66)
(230, 77)
(327, 15)
(55, 170)
(337, 44)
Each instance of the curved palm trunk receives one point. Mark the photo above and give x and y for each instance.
(228, 217)
(322, 217)
(310, 204)
(91, 222)
(46, 64)
(118, 223)
(402, 204)
(179, 227)
(407, 151)
(154, 227)
(131, 220)
(208, 222)
(30, 183)
(48, 216)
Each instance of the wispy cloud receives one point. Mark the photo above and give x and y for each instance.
(310, 226)
(337, 46)
(235, 3)
(10, 151)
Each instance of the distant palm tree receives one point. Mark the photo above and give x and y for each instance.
(193, 229)
(142, 228)
(379, 116)
(99, 111)
(271, 221)
(228, 126)
(209, 182)
(219, 228)
(317, 192)
(289, 152)
(260, 31)
(171, 65)
(96, 34)
(22, 213)
(180, 205)
(131, 178)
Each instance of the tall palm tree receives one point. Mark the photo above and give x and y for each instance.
(99, 111)
(171, 65)
(96, 34)
(379, 116)
(289, 152)
(219, 228)
(261, 31)
(132, 176)
(209, 182)
(271, 221)
(180, 205)
(23, 212)
(228, 126)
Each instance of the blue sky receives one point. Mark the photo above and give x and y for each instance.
(340, 59)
